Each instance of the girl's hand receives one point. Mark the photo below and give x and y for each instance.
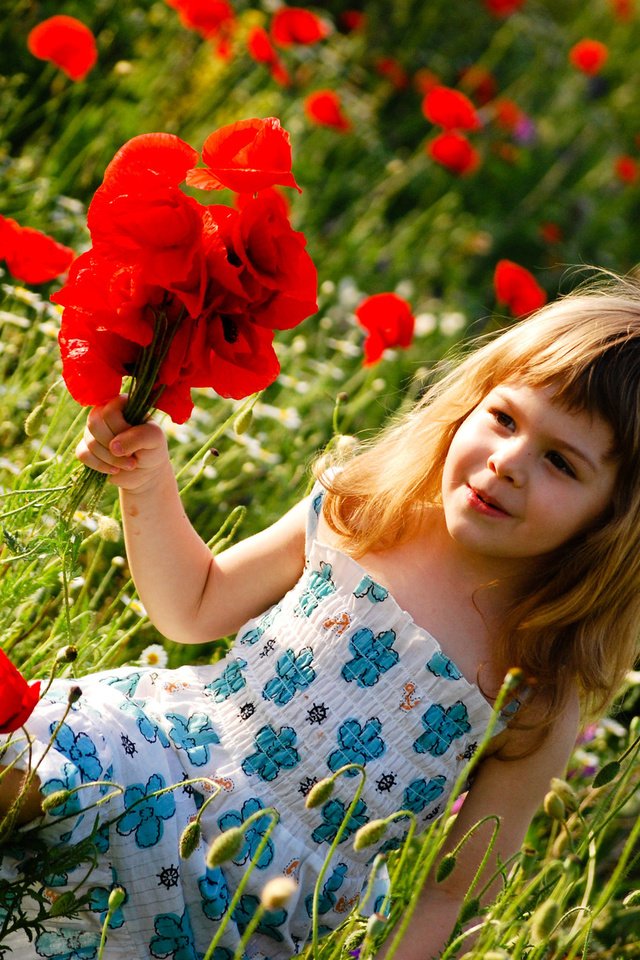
(133, 457)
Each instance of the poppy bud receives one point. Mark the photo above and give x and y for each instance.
(513, 678)
(376, 924)
(634, 728)
(319, 793)
(369, 834)
(277, 892)
(572, 866)
(65, 904)
(74, 695)
(342, 397)
(445, 867)
(606, 774)
(116, 899)
(225, 847)
(242, 422)
(566, 793)
(55, 799)
(632, 899)
(34, 421)
(353, 941)
(471, 908)
(189, 839)
(553, 806)
(544, 920)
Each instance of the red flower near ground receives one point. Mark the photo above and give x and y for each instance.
(294, 25)
(245, 156)
(627, 168)
(453, 151)
(261, 50)
(503, 8)
(623, 9)
(389, 322)
(450, 109)
(67, 43)
(517, 288)
(17, 697)
(324, 107)
(209, 18)
(589, 56)
(479, 83)
(31, 256)
(393, 70)
(352, 20)
(425, 80)
(507, 113)
(551, 232)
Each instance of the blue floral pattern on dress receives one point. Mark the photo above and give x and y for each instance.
(333, 813)
(422, 793)
(80, 749)
(126, 685)
(294, 672)
(173, 937)
(214, 891)
(230, 682)
(149, 730)
(269, 921)
(253, 835)
(254, 634)
(66, 781)
(327, 899)
(368, 587)
(145, 813)
(99, 903)
(442, 726)
(358, 743)
(67, 943)
(373, 656)
(319, 585)
(441, 666)
(194, 735)
(274, 752)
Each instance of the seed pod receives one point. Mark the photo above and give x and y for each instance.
(109, 529)
(445, 867)
(225, 846)
(319, 793)
(67, 654)
(553, 806)
(369, 834)
(189, 839)
(55, 799)
(544, 920)
(277, 892)
(566, 793)
(74, 695)
(65, 904)
(606, 774)
(116, 899)
(34, 421)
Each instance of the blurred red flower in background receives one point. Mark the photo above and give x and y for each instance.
(627, 168)
(623, 9)
(245, 156)
(17, 697)
(324, 107)
(67, 43)
(479, 83)
(393, 70)
(207, 17)
(389, 322)
(550, 232)
(589, 56)
(503, 8)
(450, 109)
(352, 20)
(262, 50)
(453, 151)
(517, 288)
(507, 113)
(291, 25)
(32, 256)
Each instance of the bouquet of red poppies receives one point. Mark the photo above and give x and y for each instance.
(177, 294)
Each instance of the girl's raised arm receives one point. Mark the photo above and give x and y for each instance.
(190, 596)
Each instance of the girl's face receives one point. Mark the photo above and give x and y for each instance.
(524, 475)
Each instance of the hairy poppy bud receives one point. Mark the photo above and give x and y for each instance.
(445, 867)
(319, 793)
(225, 847)
(189, 839)
(513, 678)
(632, 899)
(116, 899)
(553, 806)
(55, 799)
(376, 924)
(67, 654)
(64, 905)
(74, 695)
(566, 793)
(34, 421)
(277, 892)
(544, 920)
(471, 908)
(242, 422)
(369, 834)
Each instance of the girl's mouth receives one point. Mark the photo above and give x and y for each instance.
(483, 504)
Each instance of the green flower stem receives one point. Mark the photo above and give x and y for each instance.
(275, 816)
(336, 840)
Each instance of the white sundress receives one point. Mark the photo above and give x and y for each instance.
(334, 673)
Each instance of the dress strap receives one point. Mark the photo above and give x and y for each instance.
(315, 509)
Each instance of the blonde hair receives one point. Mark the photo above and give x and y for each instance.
(578, 621)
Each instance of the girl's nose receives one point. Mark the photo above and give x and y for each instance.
(509, 463)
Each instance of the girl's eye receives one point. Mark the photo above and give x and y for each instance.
(559, 462)
(502, 418)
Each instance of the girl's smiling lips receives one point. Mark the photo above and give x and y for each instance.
(483, 503)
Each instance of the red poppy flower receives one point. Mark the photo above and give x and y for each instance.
(67, 43)
(207, 17)
(589, 56)
(479, 83)
(517, 288)
(148, 159)
(291, 25)
(261, 50)
(353, 20)
(32, 256)
(425, 80)
(453, 151)
(507, 113)
(389, 322)
(17, 697)
(324, 107)
(393, 70)
(627, 168)
(277, 198)
(450, 109)
(551, 232)
(245, 156)
(623, 9)
(503, 8)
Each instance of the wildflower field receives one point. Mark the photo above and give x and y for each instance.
(454, 165)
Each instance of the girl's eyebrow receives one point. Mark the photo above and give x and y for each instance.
(559, 442)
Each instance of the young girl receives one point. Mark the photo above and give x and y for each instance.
(496, 525)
